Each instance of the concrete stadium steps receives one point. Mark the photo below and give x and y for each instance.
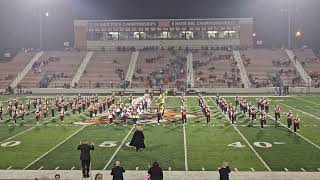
(68, 64)
(312, 62)
(102, 69)
(14, 67)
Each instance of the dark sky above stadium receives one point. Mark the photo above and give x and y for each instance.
(19, 22)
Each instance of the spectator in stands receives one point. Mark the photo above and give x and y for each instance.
(224, 171)
(155, 172)
(98, 176)
(117, 171)
(57, 177)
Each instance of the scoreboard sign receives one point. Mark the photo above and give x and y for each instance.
(163, 23)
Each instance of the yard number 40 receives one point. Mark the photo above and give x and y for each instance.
(257, 144)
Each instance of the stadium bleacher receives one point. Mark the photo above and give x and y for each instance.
(106, 68)
(268, 67)
(10, 70)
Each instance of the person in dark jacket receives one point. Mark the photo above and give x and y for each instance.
(85, 149)
(138, 139)
(117, 171)
(155, 172)
(224, 171)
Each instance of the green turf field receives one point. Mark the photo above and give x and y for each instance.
(196, 146)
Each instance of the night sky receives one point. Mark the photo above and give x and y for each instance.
(19, 22)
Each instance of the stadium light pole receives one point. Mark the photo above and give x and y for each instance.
(46, 14)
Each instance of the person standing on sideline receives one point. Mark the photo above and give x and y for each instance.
(85, 149)
(155, 172)
(117, 171)
(138, 139)
(224, 171)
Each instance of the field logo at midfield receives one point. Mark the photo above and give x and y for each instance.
(170, 115)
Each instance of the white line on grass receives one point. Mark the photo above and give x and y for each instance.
(29, 129)
(9, 167)
(203, 169)
(296, 133)
(285, 169)
(301, 111)
(72, 168)
(137, 168)
(40, 168)
(117, 150)
(169, 169)
(235, 169)
(303, 170)
(57, 168)
(318, 169)
(255, 152)
(252, 169)
(54, 147)
(185, 148)
(305, 100)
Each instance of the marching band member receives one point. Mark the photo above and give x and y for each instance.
(289, 118)
(277, 111)
(263, 118)
(1, 111)
(62, 115)
(253, 114)
(37, 116)
(45, 111)
(184, 116)
(14, 115)
(296, 123)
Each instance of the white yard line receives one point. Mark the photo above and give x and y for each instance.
(9, 167)
(117, 150)
(300, 99)
(255, 152)
(185, 148)
(54, 147)
(297, 134)
(285, 169)
(29, 129)
(300, 111)
(302, 169)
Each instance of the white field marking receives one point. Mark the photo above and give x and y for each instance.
(306, 101)
(285, 169)
(28, 129)
(297, 133)
(54, 148)
(185, 148)
(301, 111)
(235, 169)
(137, 168)
(278, 143)
(117, 150)
(203, 169)
(318, 169)
(57, 168)
(252, 169)
(40, 168)
(9, 167)
(255, 152)
(72, 168)
(303, 170)
(169, 169)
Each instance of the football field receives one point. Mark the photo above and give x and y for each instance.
(194, 147)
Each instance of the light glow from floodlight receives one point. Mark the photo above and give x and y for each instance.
(254, 34)
(46, 14)
(298, 34)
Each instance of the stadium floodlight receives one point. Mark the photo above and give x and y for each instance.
(254, 34)
(298, 34)
(46, 14)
